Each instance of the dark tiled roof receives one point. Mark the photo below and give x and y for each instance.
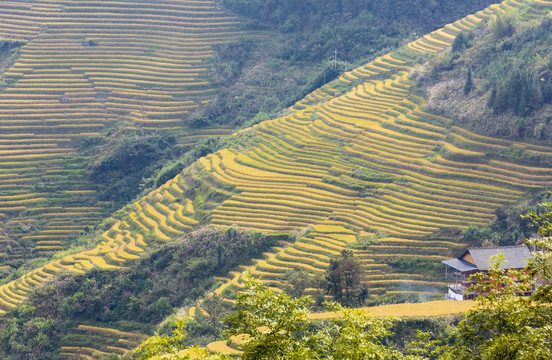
(515, 257)
(460, 265)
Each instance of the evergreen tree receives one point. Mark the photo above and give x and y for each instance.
(534, 91)
(492, 97)
(500, 103)
(520, 91)
(468, 86)
(513, 89)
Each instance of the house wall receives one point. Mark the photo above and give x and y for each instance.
(467, 257)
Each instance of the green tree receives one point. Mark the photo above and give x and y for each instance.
(492, 97)
(519, 91)
(271, 321)
(158, 344)
(540, 264)
(26, 336)
(205, 328)
(277, 327)
(468, 85)
(297, 281)
(426, 348)
(502, 25)
(355, 335)
(460, 42)
(165, 347)
(345, 280)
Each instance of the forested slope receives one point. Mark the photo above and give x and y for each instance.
(509, 94)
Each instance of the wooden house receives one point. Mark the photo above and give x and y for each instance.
(475, 260)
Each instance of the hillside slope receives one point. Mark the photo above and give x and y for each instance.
(96, 95)
(510, 72)
(333, 171)
(84, 70)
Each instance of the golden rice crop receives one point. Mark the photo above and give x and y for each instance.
(84, 350)
(154, 225)
(298, 264)
(432, 308)
(221, 347)
(316, 248)
(302, 257)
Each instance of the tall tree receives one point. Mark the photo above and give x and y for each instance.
(468, 86)
(345, 279)
(460, 42)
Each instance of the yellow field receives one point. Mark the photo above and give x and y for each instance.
(101, 336)
(83, 68)
(431, 308)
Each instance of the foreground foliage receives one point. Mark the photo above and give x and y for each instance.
(275, 326)
(505, 325)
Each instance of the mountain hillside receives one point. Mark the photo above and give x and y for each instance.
(336, 171)
(96, 96)
(360, 164)
(79, 70)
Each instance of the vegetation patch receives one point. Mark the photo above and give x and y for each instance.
(132, 299)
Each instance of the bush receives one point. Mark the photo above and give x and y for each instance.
(503, 25)
(460, 42)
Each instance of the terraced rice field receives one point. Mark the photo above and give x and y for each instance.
(139, 63)
(87, 67)
(336, 169)
(161, 214)
(98, 342)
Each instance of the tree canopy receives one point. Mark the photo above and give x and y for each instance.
(276, 326)
(345, 280)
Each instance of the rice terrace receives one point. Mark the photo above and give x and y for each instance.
(78, 74)
(362, 163)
